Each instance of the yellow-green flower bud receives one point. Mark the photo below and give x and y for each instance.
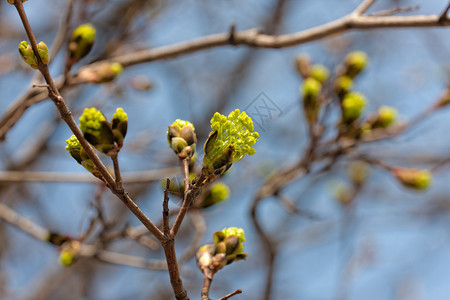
(27, 54)
(386, 116)
(66, 258)
(119, 126)
(70, 250)
(91, 121)
(43, 52)
(97, 131)
(217, 193)
(320, 73)
(355, 62)
(413, 178)
(353, 106)
(100, 73)
(81, 42)
(358, 171)
(311, 90)
(182, 138)
(230, 140)
(343, 85)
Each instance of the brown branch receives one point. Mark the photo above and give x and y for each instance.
(190, 193)
(118, 177)
(207, 280)
(166, 226)
(444, 16)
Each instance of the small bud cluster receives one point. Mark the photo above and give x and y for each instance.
(182, 138)
(27, 53)
(107, 137)
(228, 247)
(230, 140)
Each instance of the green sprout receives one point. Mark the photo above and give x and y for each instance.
(320, 73)
(353, 106)
(230, 140)
(355, 62)
(26, 52)
(81, 42)
(386, 116)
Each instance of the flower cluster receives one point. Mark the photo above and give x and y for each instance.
(230, 140)
(182, 138)
(228, 247)
(26, 52)
(107, 137)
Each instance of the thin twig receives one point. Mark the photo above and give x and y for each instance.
(207, 279)
(236, 292)
(390, 12)
(189, 195)
(117, 175)
(166, 227)
(444, 16)
(363, 7)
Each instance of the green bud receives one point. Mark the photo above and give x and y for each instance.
(70, 250)
(386, 116)
(355, 62)
(77, 152)
(119, 126)
(413, 178)
(97, 130)
(344, 193)
(43, 52)
(27, 54)
(182, 138)
(358, 171)
(100, 73)
(320, 73)
(219, 261)
(205, 255)
(66, 258)
(311, 90)
(217, 193)
(311, 87)
(81, 42)
(353, 106)
(343, 85)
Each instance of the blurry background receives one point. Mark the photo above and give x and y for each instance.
(394, 244)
